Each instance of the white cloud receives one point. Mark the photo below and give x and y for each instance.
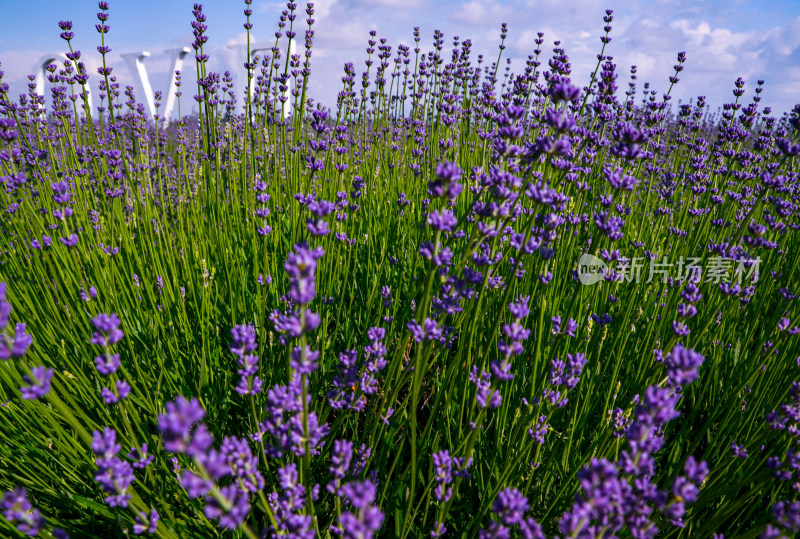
(241, 39)
(478, 12)
(322, 9)
(405, 4)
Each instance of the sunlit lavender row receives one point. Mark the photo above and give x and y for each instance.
(470, 299)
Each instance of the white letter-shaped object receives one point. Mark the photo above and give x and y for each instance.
(142, 88)
(256, 48)
(41, 74)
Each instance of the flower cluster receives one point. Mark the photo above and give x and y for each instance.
(106, 335)
(182, 431)
(301, 266)
(243, 343)
(459, 239)
(114, 474)
(12, 345)
(509, 511)
(18, 511)
(515, 333)
(622, 494)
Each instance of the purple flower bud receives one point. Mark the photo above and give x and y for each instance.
(17, 510)
(39, 381)
(146, 523)
(180, 430)
(443, 221)
(108, 331)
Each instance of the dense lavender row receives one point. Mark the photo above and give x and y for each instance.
(471, 300)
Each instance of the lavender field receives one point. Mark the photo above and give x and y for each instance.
(472, 298)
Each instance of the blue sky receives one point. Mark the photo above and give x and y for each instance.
(723, 39)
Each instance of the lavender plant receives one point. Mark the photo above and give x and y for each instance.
(472, 299)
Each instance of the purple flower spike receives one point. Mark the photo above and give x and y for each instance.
(368, 518)
(235, 511)
(140, 457)
(108, 331)
(243, 339)
(429, 330)
(104, 444)
(288, 504)
(341, 456)
(113, 474)
(17, 510)
(509, 510)
(146, 523)
(39, 381)
(443, 221)
(122, 390)
(682, 364)
(485, 395)
(304, 360)
(301, 265)
(446, 183)
(443, 469)
(107, 364)
(178, 428)
(738, 451)
(510, 506)
(243, 343)
(16, 346)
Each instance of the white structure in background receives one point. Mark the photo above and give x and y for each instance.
(41, 74)
(288, 108)
(255, 50)
(142, 88)
(177, 56)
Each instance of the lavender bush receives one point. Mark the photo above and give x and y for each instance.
(270, 318)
